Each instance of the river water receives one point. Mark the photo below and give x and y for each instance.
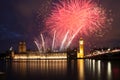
(80, 69)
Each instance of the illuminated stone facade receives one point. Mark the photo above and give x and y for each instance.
(37, 55)
(80, 54)
(22, 47)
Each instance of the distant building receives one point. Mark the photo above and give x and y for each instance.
(12, 54)
(80, 53)
(24, 54)
(22, 47)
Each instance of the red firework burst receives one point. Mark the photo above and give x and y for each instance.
(70, 17)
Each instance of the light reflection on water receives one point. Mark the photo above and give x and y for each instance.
(80, 69)
(99, 69)
(80, 64)
(109, 71)
(41, 66)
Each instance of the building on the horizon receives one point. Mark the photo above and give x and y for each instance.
(22, 47)
(80, 53)
(24, 54)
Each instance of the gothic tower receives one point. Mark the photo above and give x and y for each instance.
(80, 53)
(22, 47)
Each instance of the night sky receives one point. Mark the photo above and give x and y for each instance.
(23, 20)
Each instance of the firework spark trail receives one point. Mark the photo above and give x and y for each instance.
(38, 46)
(83, 16)
(43, 42)
(53, 43)
(64, 39)
(73, 37)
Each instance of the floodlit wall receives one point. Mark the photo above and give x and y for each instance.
(41, 56)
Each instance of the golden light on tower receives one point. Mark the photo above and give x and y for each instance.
(80, 53)
(80, 65)
(22, 47)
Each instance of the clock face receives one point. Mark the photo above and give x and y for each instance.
(81, 42)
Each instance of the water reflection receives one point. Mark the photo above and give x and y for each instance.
(109, 71)
(97, 69)
(81, 69)
(93, 64)
(44, 67)
(80, 65)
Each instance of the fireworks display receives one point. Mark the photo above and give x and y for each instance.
(69, 18)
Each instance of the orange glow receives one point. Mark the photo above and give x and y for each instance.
(42, 66)
(81, 42)
(41, 56)
(80, 64)
(80, 54)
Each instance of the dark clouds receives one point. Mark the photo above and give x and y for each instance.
(21, 20)
(5, 33)
(24, 20)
